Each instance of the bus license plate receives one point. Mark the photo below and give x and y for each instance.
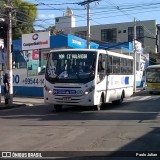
(66, 98)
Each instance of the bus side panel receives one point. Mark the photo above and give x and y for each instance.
(118, 85)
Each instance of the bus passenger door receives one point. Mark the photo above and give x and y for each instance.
(101, 68)
(101, 77)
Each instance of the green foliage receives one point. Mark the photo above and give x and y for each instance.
(25, 16)
(2, 2)
(52, 30)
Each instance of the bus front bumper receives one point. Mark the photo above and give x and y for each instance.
(84, 100)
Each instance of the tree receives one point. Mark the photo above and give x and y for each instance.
(52, 30)
(23, 17)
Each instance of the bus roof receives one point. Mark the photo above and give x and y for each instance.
(154, 66)
(96, 50)
(75, 49)
(119, 55)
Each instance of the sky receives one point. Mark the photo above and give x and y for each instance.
(101, 12)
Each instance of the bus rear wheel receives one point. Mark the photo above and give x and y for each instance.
(119, 101)
(57, 107)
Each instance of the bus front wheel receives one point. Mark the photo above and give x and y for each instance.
(57, 107)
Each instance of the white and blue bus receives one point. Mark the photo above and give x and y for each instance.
(87, 77)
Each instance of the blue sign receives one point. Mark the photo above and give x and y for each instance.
(66, 92)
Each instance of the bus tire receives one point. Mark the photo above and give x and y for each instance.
(119, 101)
(150, 92)
(57, 107)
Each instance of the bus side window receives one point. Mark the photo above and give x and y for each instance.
(130, 66)
(124, 68)
(109, 66)
(116, 65)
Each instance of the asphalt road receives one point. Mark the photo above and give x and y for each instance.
(132, 126)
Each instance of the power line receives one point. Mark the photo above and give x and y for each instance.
(118, 8)
(87, 2)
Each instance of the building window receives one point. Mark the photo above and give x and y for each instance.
(82, 34)
(57, 19)
(109, 35)
(139, 34)
(130, 34)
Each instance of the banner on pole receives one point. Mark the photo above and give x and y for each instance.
(2, 52)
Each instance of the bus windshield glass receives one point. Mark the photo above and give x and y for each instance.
(153, 75)
(71, 66)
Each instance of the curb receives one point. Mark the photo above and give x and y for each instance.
(3, 106)
(140, 92)
(17, 105)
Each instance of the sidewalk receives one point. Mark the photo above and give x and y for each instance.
(21, 102)
(9, 106)
(139, 92)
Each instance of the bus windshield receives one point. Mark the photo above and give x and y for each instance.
(71, 66)
(153, 75)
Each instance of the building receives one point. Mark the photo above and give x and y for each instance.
(146, 32)
(68, 21)
(30, 62)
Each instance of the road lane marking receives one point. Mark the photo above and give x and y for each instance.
(145, 98)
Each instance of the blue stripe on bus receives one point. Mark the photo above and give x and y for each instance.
(126, 80)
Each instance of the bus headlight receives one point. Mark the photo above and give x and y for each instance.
(48, 89)
(50, 92)
(87, 91)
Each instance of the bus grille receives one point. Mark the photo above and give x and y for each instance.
(73, 100)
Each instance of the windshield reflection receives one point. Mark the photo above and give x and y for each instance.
(71, 65)
(153, 76)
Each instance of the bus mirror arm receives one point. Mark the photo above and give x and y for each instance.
(108, 71)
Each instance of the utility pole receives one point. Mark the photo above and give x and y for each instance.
(9, 52)
(88, 25)
(135, 57)
(87, 2)
(157, 41)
